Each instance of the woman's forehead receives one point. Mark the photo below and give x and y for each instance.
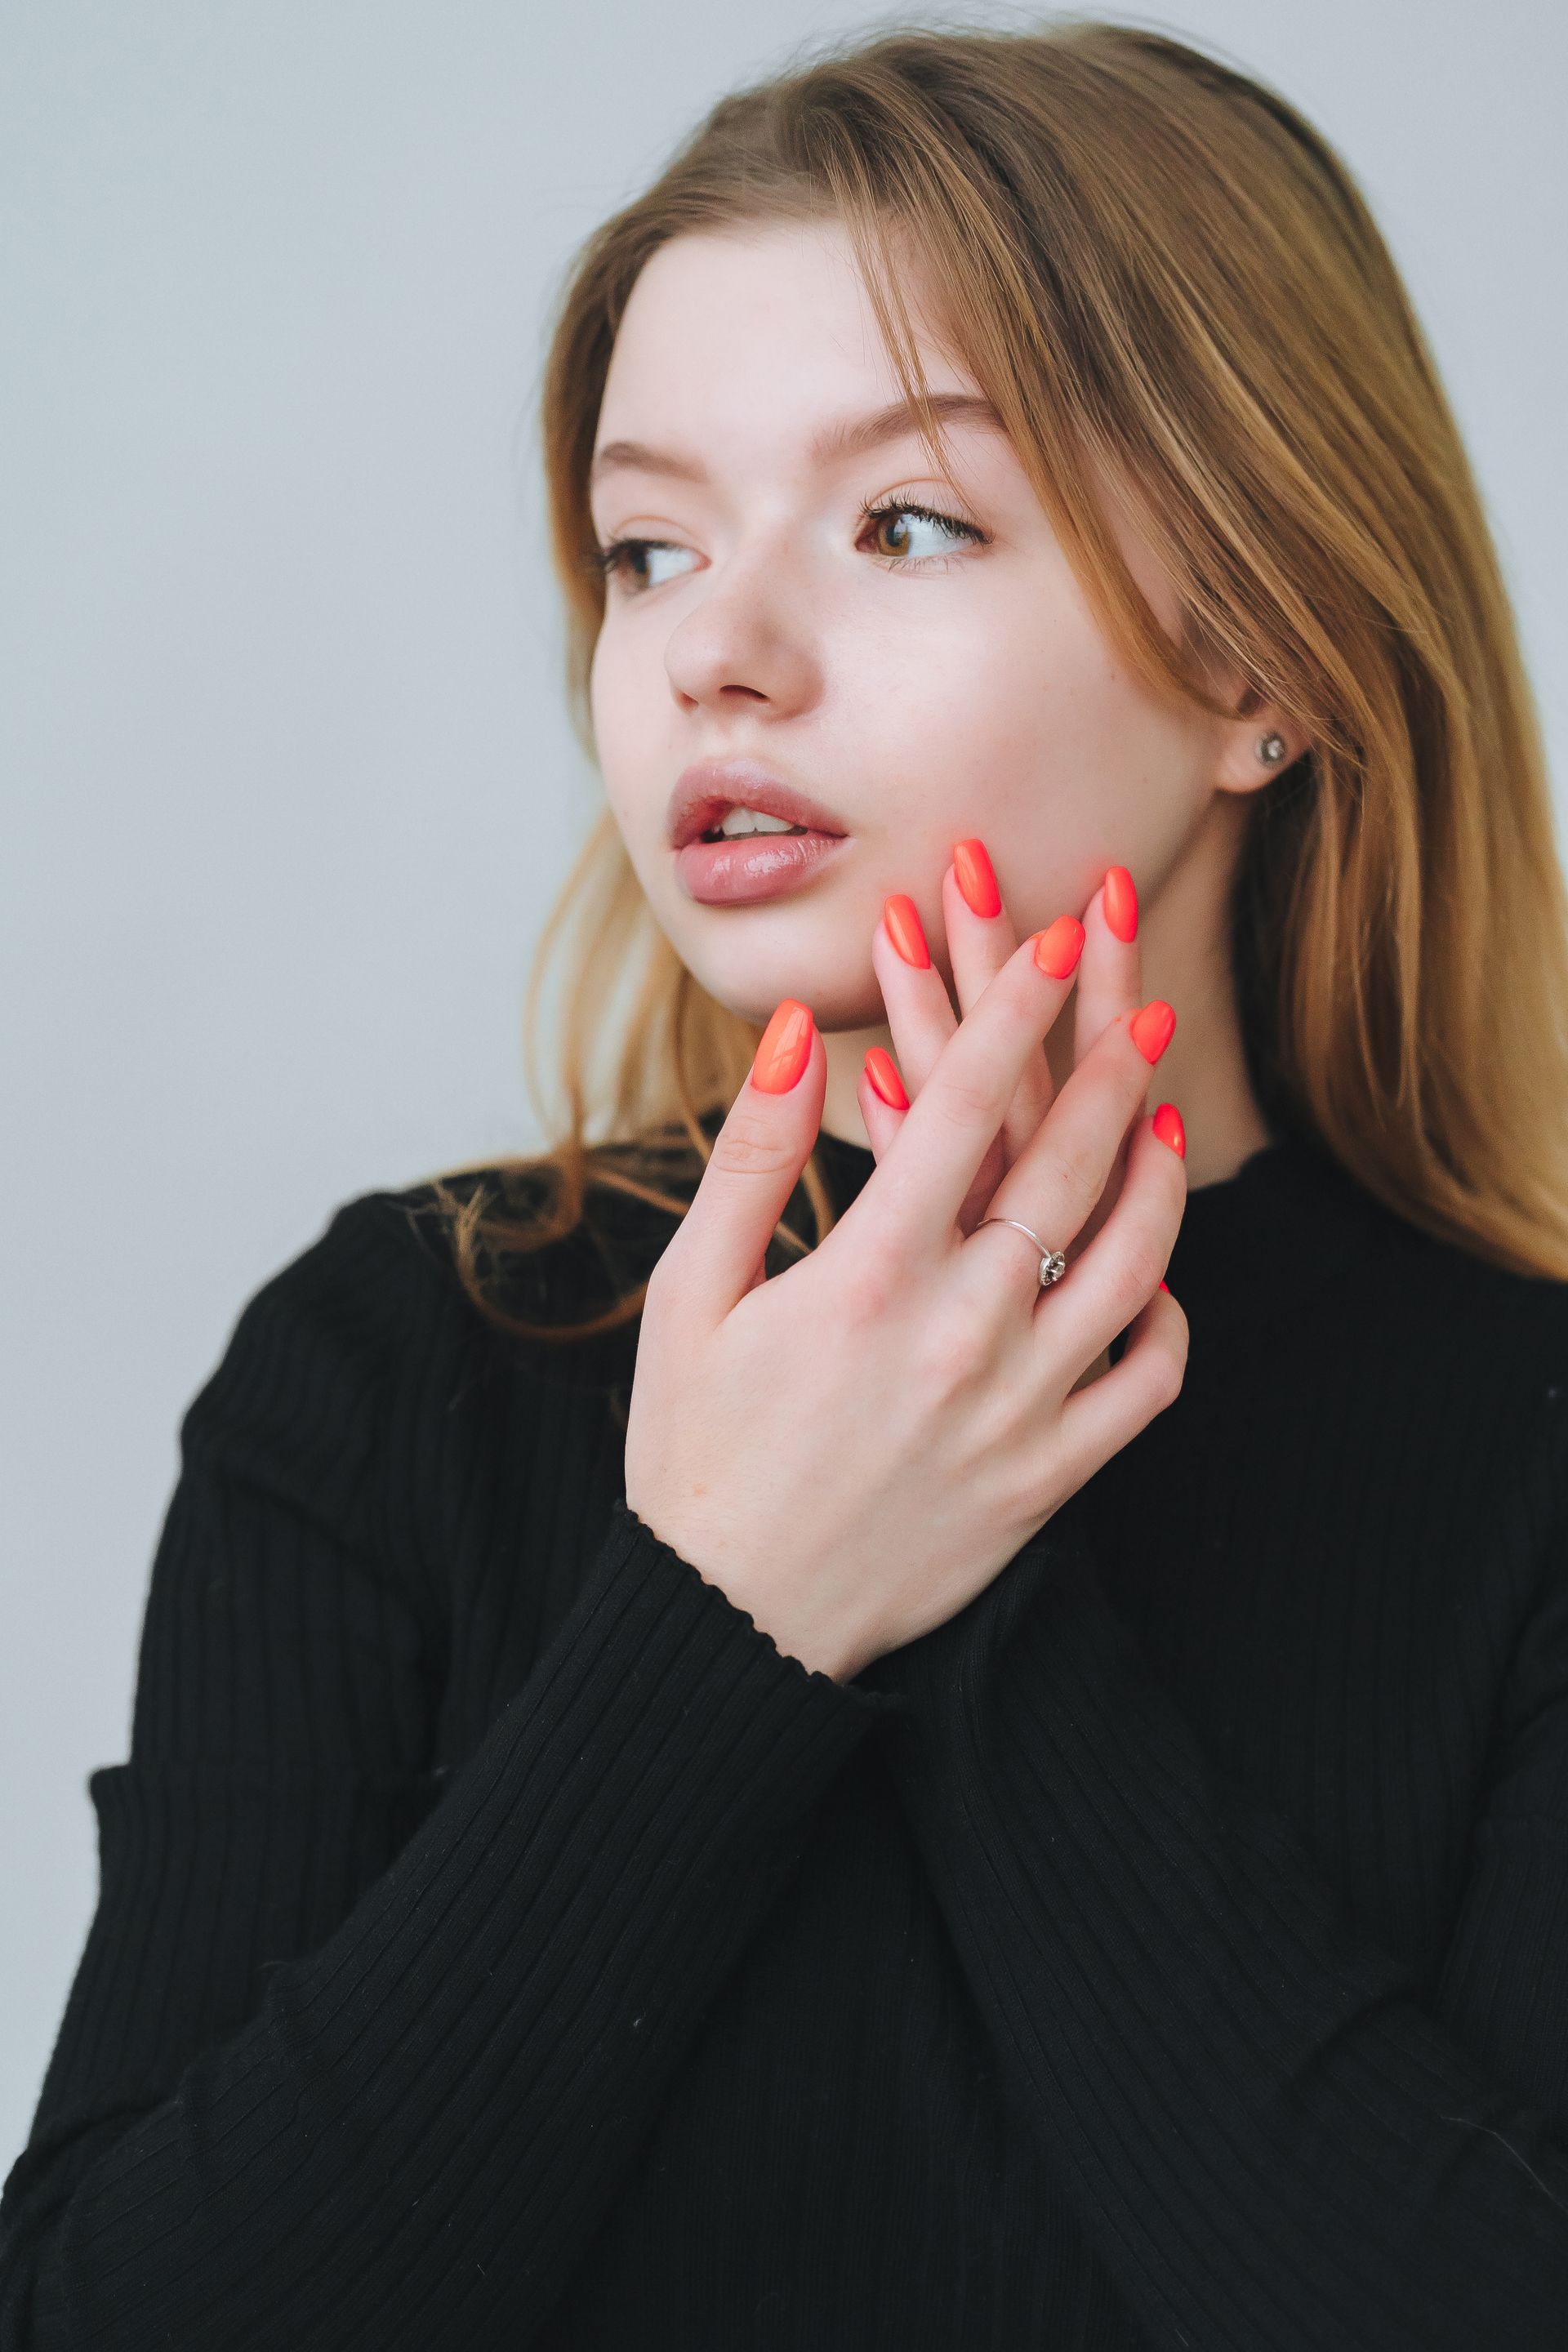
(765, 342)
(747, 302)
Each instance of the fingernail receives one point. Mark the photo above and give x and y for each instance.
(1120, 903)
(1153, 1028)
(902, 919)
(1057, 949)
(1166, 1288)
(976, 877)
(1169, 1129)
(882, 1071)
(784, 1049)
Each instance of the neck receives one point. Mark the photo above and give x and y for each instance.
(1183, 932)
(1186, 939)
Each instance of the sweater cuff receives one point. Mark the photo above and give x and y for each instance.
(669, 1584)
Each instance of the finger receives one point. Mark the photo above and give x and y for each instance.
(956, 1114)
(712, 1259)
(1056, 1185)
(1110, 977)
(1110, 983)
(921, 1018)
(980, 933)
(883, 1099)
(1098, 1421)
(1104, 1289)
(980, 939)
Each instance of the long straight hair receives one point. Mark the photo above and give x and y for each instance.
(1155, 267)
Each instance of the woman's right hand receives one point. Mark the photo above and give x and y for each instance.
(856, 1448)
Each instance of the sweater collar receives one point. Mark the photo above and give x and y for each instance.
(1286, 1222)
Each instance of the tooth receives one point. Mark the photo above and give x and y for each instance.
(745, 820)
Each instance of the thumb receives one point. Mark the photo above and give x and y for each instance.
(715, 1254)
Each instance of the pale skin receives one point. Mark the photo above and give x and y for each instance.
(855, 1448)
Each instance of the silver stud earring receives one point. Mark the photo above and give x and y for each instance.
(1271, 750)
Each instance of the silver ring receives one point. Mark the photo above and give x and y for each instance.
(1053, 1265)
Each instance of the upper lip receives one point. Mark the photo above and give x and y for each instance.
(708, 788)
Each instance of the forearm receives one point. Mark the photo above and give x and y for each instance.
(416, 2138)
(1267, 2138)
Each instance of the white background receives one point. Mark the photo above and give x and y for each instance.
(287, 786)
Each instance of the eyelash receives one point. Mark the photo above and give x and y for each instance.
(610, 558)
(955, 523)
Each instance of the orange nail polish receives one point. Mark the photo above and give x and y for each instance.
(1169, 1129)
(783, 1048)
(1153, 1028)
(1057, 949)
(1120, 903)
(882, 1071)
(906, 931)
(976, 877)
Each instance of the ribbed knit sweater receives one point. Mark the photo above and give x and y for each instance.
(503, 1942)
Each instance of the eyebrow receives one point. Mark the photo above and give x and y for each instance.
(850, 439)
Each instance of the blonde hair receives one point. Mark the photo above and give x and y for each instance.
(1156, 267)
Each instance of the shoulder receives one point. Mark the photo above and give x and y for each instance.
(1480, 1349)
(432, 1277)
(1504, 1318)
(368, 1275)
(1422, 1340)
(358, 1379)
(383, 1255)
(548, 1248)
(297, 1395)
(1376, 1264)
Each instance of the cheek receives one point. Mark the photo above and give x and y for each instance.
(619, 710)
(989, 698)
(603, 695)
(1010, 715)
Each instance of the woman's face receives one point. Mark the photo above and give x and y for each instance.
(783, 604)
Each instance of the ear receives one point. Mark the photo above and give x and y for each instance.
(1241, 767)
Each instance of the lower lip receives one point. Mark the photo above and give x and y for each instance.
(756, 866)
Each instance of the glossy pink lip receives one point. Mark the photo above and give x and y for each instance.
(708, 789)
(759, 865)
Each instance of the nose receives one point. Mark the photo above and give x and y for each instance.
(746, 644)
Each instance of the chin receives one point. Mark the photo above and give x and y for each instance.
(753, 984)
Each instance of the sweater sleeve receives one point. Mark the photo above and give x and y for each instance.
(1272, 2142)
(357, 2053)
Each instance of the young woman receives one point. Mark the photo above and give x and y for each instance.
(943, 1798)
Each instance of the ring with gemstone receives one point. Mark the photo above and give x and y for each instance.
(1053, 1265)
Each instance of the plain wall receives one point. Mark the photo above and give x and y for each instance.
(287, 786)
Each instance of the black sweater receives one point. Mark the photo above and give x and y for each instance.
(502, 1943)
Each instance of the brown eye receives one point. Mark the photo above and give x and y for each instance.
(636, 563)
(890, 530)
(907, 536)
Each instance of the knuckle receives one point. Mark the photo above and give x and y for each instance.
(952, 1354)
(749, 1146)
(1076, 1165)
(658, 1271)
(663, 1283)
(1141, 1263)
(1043, 1478)
(963, 1099)
(1166, 1370)
(869, 1283)
(966, 1355)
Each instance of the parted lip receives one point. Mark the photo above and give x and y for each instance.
(706, 791)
